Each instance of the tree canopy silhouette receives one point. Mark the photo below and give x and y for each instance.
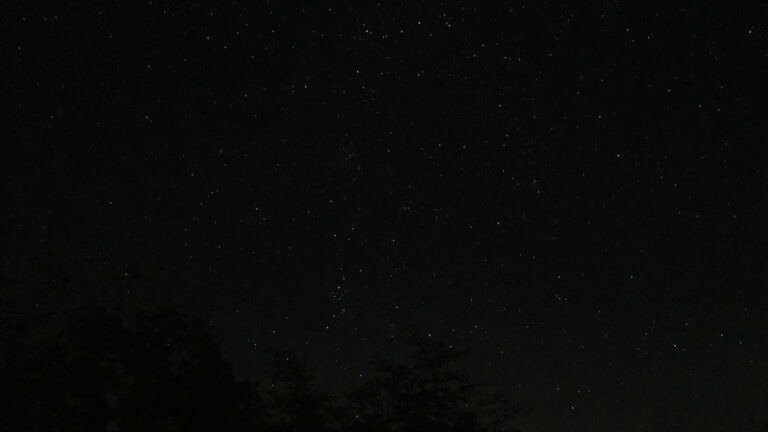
(428, 393)
(86, 354)
(82, 354)
(159, 371)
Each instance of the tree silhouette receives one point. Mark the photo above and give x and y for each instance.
(84, 356)
(92, 353)
(295, 404)
(162, 372)
(430, 393)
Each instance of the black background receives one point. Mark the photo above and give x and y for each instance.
(573, 191)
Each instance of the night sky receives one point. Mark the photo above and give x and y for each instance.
(575, 193)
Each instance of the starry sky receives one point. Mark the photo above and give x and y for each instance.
(574, 192)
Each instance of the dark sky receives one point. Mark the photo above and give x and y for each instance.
(576, 193)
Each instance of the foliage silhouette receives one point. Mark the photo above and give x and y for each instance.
(429, 393)
(79, 355)
(82, 353)
(293, 401)
(162, 371)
